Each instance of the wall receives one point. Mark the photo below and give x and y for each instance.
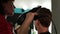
(56, 14)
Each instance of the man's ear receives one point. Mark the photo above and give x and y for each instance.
(37, 23)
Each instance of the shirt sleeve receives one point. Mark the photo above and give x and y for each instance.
(4, 27)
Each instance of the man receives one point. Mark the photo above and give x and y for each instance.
(43, 21)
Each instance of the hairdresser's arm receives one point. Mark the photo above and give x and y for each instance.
(26, 23)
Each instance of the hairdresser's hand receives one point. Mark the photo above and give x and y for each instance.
(30, 16)
(26, 23)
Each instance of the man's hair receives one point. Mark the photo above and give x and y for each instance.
(35, 9)
(44, 16)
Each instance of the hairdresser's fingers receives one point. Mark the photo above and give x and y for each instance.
(30, 16)
(35, 13)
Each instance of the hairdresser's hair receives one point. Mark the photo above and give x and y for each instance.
(44, 16)
(1, 6)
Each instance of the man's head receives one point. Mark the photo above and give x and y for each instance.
(6, 7)
(44, 18)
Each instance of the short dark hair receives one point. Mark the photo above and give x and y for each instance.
(44, 16)
(35, 9)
